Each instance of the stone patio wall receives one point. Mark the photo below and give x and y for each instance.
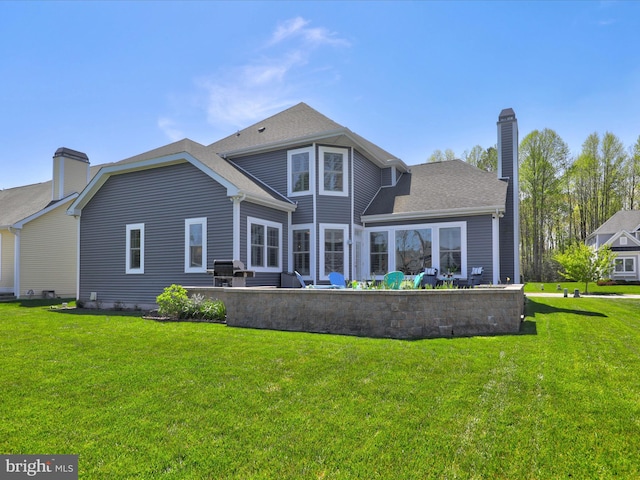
(402, 314)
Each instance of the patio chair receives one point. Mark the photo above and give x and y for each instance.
(417, 282)
(430, 277)
(337, 280)
(393, 280)
(304, 285)
(475, 278)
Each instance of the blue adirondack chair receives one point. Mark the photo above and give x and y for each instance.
(393, 280)
(337, 280)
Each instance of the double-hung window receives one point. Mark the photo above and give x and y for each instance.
(333, 171)
(135, 248)
(195, 245)
(300, 164)
(264, 245)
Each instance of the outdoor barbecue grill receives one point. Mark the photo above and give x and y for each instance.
(229, 273)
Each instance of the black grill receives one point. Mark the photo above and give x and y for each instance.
(229, 273)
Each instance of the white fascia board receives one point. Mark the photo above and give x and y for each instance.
(315, 138)
(268, 202)
(173, 159)
(623, 233)
(44, 211)
(456, 212)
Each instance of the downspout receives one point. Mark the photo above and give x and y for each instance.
(237, 200)
(495, 244)
(16, 260)
(352, 226)
(316, 229)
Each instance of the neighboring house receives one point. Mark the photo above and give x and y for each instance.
(294, 192)
(38, 241)
(622, 233)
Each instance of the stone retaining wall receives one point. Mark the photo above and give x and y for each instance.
(405, 314)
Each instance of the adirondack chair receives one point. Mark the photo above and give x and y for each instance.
(393, 280)
(337, 280)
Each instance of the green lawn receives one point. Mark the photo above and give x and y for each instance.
(142, 399)
(594, 288)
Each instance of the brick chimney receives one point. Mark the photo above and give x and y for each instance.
(508, 170)
(70, 173)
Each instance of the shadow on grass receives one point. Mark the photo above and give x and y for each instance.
(534, 308)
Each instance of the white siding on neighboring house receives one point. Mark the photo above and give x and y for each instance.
(7, 244)
(48, 246)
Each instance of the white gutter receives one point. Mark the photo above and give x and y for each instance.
(456, 212)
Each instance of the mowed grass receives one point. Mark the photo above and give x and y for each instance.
(136, 398)
(593, 287)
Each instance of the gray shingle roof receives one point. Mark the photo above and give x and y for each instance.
(207, 157)
(21, 202)
(441, 186)
(298, 125)
(628, 220)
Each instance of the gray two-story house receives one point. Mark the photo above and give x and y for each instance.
(294, 192)
(622, 233)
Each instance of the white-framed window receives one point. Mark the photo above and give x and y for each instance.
(300, 168)
(333, 171)
(451, 250)
(623, 240)
(264, 245)
(411, 248)
(301, 248)
(625, 265)
(195, 245)
(135, 248)
(333, 249)
(379, 252)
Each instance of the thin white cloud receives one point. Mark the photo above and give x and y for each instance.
(282, 74)
(298, 28)
(237, 97)
(169, 129)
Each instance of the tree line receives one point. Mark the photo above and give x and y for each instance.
(564, 198)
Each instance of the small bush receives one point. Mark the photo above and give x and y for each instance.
(175, 303)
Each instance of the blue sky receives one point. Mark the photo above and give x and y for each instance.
(114, 79)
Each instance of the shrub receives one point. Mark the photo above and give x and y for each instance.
(175, 303)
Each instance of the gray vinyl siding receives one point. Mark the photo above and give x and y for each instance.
(385, 177)
(479, 247)
(368, 182)
(248, 209)
(332, 209)
(270, 168)
(161, 199)
(304, 210)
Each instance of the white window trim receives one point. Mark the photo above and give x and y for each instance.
(312, 162)
(187, 252)
(264, 223)
(345, 180)
(312, 248)
(435, 244)
(345, 253)
(623, 271)
(128, 269)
